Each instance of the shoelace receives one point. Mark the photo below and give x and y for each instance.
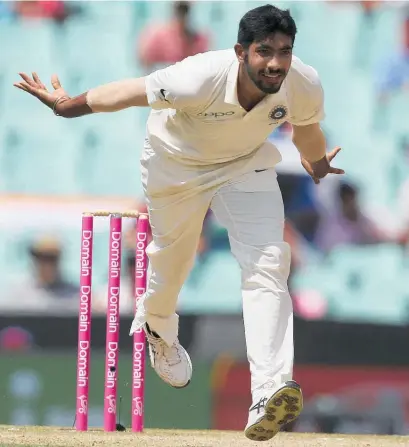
(171, 354)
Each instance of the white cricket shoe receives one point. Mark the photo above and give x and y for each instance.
(172, 364)
(272, 411)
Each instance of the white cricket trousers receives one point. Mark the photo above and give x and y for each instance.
(250, 207)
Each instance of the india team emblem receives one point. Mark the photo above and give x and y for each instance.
(278, 113)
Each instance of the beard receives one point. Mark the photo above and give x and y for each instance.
(256, 78)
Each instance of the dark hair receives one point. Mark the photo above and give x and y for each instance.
(182, 8)
(347, 190)
(258, 23)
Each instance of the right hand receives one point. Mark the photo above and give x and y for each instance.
(321, 168)
(36, 88)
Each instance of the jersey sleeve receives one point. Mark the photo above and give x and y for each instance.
(179, 86)
(309, 101)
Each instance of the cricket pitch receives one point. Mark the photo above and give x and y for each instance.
(50, 436)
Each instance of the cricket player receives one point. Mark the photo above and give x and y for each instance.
(206, 147)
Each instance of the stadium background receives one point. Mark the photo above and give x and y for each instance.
(350, 289)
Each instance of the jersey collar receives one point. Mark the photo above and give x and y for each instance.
(230, 96)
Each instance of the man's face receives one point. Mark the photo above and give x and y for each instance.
(268, 62)
(47, 267)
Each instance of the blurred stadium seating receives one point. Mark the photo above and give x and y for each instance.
(99, 155)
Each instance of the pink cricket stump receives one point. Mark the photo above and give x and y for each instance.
(112, 325)
(138, 355)
(84, 324)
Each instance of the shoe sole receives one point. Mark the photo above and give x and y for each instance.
(282, 408)
(180, 387)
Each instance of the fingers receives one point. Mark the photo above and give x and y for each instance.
(24, 86)
(21, 86)
(307, 166)
(55, 82)
(43, 95)
(38, 81)
(34, 83)
(310, 172)
(28, 80)
(336, 171)
(333, 153)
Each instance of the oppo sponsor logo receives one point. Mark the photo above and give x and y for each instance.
(216, 114)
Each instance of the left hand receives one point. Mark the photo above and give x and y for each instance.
(36, 88)
(321, 168)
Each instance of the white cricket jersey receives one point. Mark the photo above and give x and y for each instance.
(196, 116)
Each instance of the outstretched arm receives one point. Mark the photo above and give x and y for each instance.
(311, 143)
(185, 84)
(110, 97)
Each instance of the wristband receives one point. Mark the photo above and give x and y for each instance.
(56, 102)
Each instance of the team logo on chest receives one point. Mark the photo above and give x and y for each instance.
(278, 113)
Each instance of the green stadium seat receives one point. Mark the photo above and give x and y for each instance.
(215, 288)
(40, 159)
(361, 284)
(42, 154)
(27, 46)
(370, 283)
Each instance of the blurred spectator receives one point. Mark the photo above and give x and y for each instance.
(56, 10)
(299, 203)
(297, 188)
(46, 256)
(6, 11)
(393, 71)
(347, 224)
(369, 7)
(302, 252)
(15, 338)
(166, 44)
(45, 286)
